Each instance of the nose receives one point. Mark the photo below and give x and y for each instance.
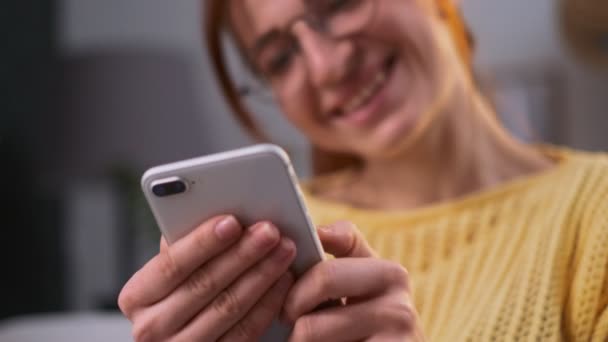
(327, 59)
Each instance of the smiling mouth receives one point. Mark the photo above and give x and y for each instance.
(370, 90)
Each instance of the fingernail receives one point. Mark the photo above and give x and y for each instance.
(326, 229)
(227, 229)
(257, 226)
(285, 249)
(265, 234)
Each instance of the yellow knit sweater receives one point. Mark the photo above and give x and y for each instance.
(524, 261)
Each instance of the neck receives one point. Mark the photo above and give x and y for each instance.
(465, 151)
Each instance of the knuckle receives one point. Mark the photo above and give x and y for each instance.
(325, 275)
(143, 331)
(267, 273)
(304, 329)
(400, 315)
(127, 302)
(352, 227)
(268, 269)
(397, 275)
(200, 239)
(245, 331)
(352, 230)
(227, 304)
(347, 225)
(270, 306)
(167, 266)
(245, 253)
(247, 249)
(201, 284)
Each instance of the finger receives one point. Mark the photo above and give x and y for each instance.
(232, 304)
(204, 284)
(259, 319)
(390, 316)
(343, 240)
(339, 278)
(336, 324)
(169, 268)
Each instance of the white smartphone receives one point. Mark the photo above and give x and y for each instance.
(254, 184)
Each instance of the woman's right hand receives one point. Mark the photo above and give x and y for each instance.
(220, 282)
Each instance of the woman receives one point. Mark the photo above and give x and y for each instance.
(501, 240)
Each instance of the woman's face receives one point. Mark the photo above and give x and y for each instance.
(364, 89)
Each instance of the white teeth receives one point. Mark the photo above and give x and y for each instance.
(366, 92)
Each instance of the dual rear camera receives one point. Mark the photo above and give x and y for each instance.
(169, 187)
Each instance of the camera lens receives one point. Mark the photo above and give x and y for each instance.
(159, 190)
(169, 188)
(179, 187)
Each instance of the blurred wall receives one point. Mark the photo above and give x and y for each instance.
(516, 33)
(90, 25)
(525, 34)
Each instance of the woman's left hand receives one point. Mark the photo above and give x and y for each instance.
(379, 305)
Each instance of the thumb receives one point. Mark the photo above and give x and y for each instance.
(343, 240)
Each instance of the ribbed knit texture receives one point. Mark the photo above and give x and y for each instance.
(524, 261)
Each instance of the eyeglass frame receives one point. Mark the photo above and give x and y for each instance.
(315, 22)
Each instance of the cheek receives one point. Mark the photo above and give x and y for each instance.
(412, 29)
(302, 113)
(299, 109)
(407, 26)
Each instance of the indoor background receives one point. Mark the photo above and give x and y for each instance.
(96, 91)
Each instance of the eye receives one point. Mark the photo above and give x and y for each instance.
(337, 6)
(278, 62)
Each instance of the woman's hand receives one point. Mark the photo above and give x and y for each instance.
(220, 282)
(378, 306)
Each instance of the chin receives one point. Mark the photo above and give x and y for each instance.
(392, 137)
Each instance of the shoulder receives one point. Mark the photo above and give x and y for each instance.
(584, 172)
(591, 171)
(585, 177)
(588, 158)
(588, 298)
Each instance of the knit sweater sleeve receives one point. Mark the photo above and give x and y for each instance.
(600, 324)
(588, 299)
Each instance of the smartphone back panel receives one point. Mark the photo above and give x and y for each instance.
(254, 184)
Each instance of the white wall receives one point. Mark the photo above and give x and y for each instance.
(90, 25)
(525, 34)
(513, 32)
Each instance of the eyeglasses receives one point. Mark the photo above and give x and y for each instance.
(277, 55)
